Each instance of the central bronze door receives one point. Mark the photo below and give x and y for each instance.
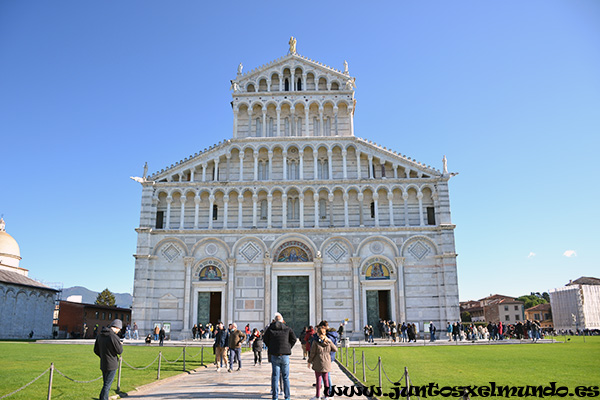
(293, 301)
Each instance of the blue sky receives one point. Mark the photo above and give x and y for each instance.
(509, 91)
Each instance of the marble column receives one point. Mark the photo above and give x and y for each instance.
(301, 199)
(318, 261)
(358, 300)
(188, 262)
(330, 200)
(370, 175)
(216, 170)
(264, 124)
(376, 207)
(351, 116)
(204, 166)
(358, 164)
(240, 206)
(182, 214)
(316, 163)
(270, 165)
(306, 128)
(405, 198)
(249, 122)
(361, 197)
(284, 211)
(278, 122)
(231, 264)
(211, 202)
(301, 164)
(395, 166)
(197, 200)
(401, 289)
(241, 166)
(225, 210)
(192, 174)
(285, 165)
(346, 219)
(168, 222)
(335, 118)
(269, 209)
(254, 214)
(316, 200)
(321, 122)
(329, 165)
(268, 264)
(235, 124)
(255, 165)
(420, 198)
(344, 164)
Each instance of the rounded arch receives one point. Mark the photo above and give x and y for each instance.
(206, 262)
(248, 147)
(386, 188)
(368, 261)
(190, 190)
(271, 102)
(214, 240)
(429, 186)
(291, 237)
(416, 238)
(277, 188)
(240, 104)
(347, 103)
(163, 242)
(308, 146)
(286, 101)
(314, 101)
(331, 239)
(412, 186)
(378, 238)
(235, 147)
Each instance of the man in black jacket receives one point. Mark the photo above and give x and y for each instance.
(280, 339)
(108, 347)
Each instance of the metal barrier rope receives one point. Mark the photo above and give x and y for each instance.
(140, 369)
(197, 354)
(18, 390)
(76, 381)
(172, 362)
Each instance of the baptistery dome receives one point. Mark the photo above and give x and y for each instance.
(10, 254)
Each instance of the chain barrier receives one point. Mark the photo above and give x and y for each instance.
(371, 369)
(18, 390)
(389, 380)
(140, 369)
(197, 354)
(173, 362)
(76, 381)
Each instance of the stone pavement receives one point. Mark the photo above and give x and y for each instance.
(252, 382)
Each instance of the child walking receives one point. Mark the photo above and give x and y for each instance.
(257, 346)
(320, 359)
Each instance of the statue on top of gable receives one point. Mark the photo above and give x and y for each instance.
(292, 44)
(346, 67)
(240, 67)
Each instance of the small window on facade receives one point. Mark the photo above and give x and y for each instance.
(505, 308)
(430, 216)
(516, 317)
(516, 308)
(127, 317)
(160, 215)
(506, 318)
(373, 171)
(110, 316)
(299, 85)
(287, 85)
(536, 317)
(97, 315)
(103, 316)
(383, 170)
(215, 212)
(372, 209)
(546, 316)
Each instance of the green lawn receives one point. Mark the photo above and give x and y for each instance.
(569, 364)
(23, 362)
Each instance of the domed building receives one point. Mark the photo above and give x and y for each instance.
(27, 305)
(295, 214)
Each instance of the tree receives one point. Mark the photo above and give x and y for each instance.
(465, 316)
(532, 299)
(106, 298)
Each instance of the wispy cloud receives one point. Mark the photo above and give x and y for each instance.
(570, 253)
(531, 255)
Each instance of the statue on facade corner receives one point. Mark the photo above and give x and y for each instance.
(234, 86)
(292, 44)
(145, 170)
(445, 162)
(346, 67)
(350, 84)
(240, 67)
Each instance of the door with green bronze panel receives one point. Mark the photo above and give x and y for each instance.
(373, 308)
(203, 308)
(293, 301)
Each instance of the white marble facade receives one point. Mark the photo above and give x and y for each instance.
(295, 193)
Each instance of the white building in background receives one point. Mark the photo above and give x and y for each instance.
(295, 214)
(27, 305)
(576, 305)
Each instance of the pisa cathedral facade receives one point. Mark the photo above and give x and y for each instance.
(295, 214)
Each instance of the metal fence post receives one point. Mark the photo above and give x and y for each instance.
(184, 358)
(406, 383)
(363, 365)
(346, 357)
(353, 361)
(201, 356)
(119, 377)
(379, 365)
(50, 381)
(159, 358)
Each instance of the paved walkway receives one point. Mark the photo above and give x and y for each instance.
(252, 382)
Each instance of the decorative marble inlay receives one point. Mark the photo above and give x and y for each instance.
(171, 252)
(336, 251)
(211, 249)
(418, 250)
(376, 247)
(250, 251)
